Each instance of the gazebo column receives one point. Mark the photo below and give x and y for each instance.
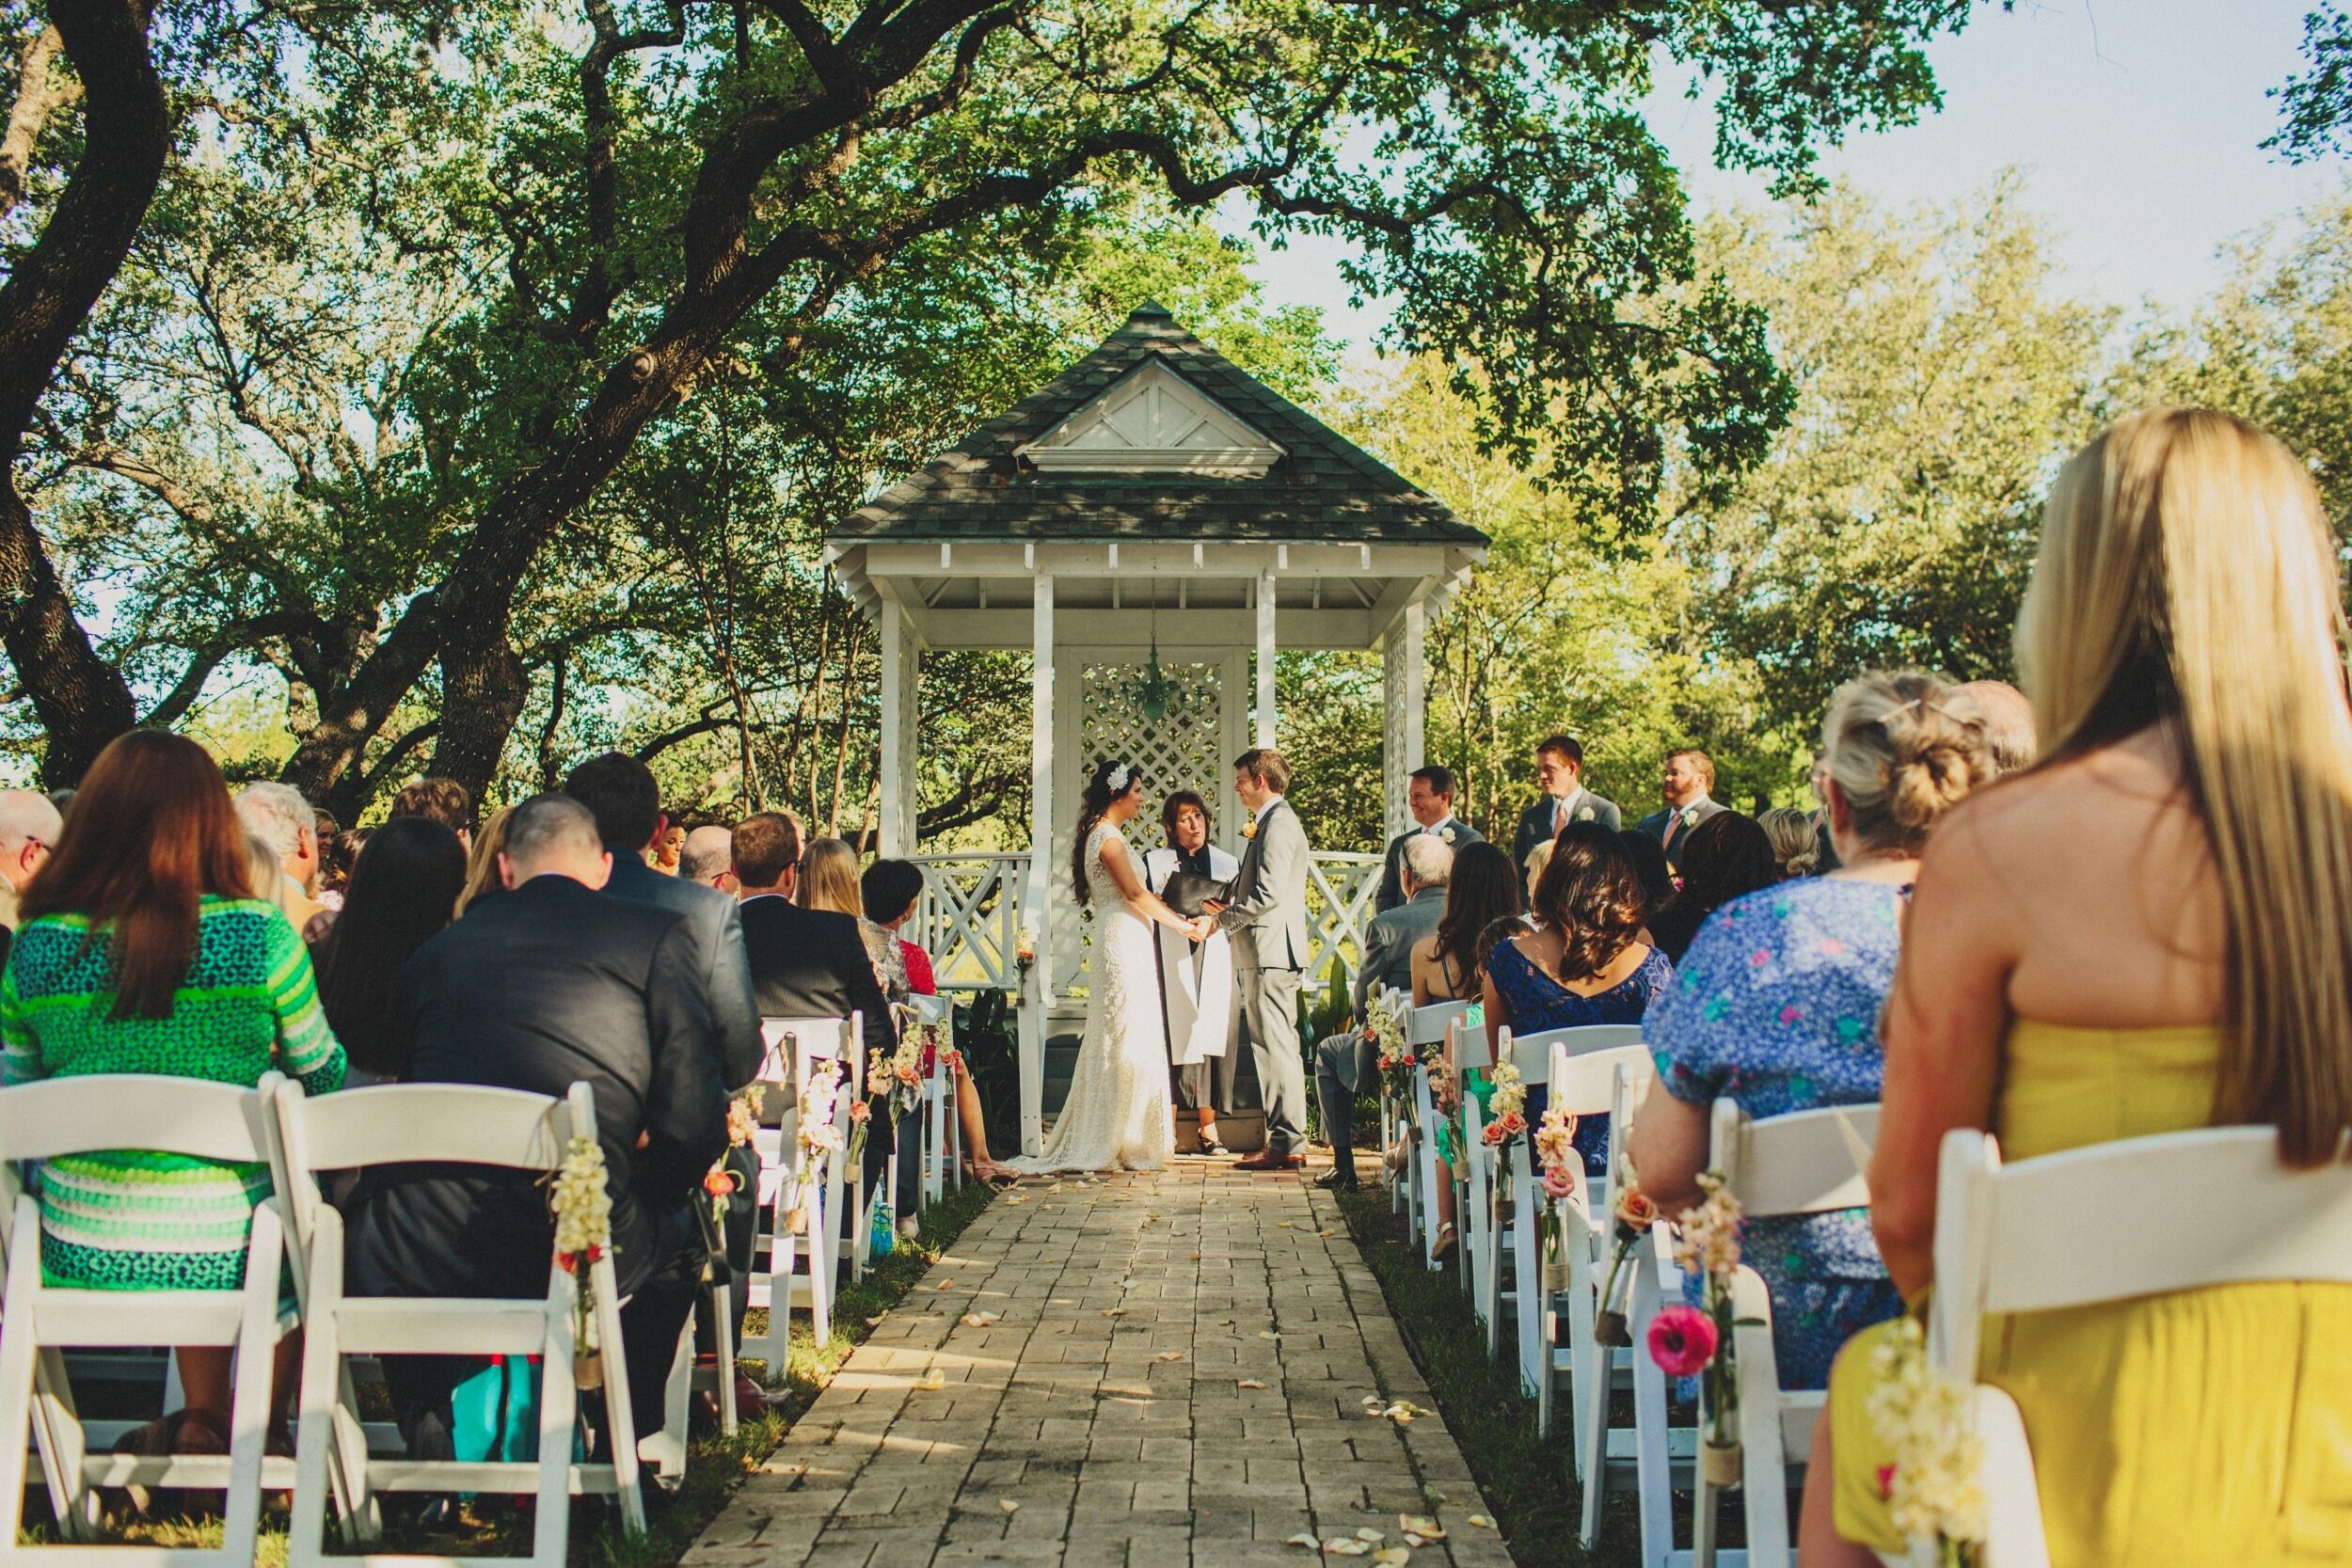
(900, 673)
(1265, 661)
(1402, 648)
(1037, 911)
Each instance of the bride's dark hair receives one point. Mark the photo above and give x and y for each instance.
(1097, 799)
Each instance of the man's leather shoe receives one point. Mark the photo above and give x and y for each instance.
(1268, 1160)
(1338, 1178)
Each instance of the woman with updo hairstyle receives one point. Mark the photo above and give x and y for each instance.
(1796, 847)
(1776, 1004)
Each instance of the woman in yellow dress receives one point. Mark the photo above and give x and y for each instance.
(2151, 930)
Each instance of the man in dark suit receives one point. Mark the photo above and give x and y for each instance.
(1429, 797)
(1690, 774)
(551, 984)
(620, 792)
(1560, 770)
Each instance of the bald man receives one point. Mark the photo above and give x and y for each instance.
(29, 825)
(2009, 731)
(708, 858)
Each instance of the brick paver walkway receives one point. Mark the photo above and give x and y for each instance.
(1106, 1418)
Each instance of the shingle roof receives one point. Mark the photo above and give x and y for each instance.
(1324, 487)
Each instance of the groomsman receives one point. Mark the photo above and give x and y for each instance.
(1690, 774)
(1429, 798)
(1560, 769)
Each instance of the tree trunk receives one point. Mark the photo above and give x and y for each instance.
(82, 701)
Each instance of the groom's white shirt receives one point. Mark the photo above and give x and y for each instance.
(1259, 816)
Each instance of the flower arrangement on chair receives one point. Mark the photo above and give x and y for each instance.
(1555, 1156)
(1509, 1105)
(582, 1202)
(1695, 1342)
(1934, 1488)
(1384, 1031)
(1632, 1220)
(820, 1134)
(720, 1183)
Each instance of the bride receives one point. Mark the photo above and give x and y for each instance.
(1117, 1115)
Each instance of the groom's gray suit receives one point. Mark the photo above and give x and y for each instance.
(1268, 921)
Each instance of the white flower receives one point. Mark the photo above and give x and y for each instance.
(1445, 834)
(1119, 775)
(1935, 1487)
(1586, 814)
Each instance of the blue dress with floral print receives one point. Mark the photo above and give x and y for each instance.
(1535, 1003)
(1776, 1006)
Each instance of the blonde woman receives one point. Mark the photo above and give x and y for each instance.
(481, 863)
(1796, 847)
(2145, 932)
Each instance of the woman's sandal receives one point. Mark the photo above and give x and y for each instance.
(188, 1433)
(1442, 1249)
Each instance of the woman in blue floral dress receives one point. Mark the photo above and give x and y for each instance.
(1777, 1004)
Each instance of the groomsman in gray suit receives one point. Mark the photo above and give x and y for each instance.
(1690, 774)
(1560, 769)
(1268, 921)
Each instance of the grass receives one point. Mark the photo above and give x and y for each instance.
(1530, 1483)
(715, 1465)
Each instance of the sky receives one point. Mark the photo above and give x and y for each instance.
(2139, 123)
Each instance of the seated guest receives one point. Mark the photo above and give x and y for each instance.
(29, 826)
(1533, 868)
(1481, 887)
(403, 890)
(1429, 799)
(829, 883)
(331, 875)
(549, 985)
(626, 803)
(708, 858)
(891, 890)
(806, 963)
(1795, 850)
(142, 951)
(279, 815)
(1560, 772)
(442, 801)
(2009, 731)
(1777, 1004)
(482, 862)
(1649, 865)
(1817, 784)
(1724, 857)
(1346, 1062)
(1690, 774)
(2144, 933)
(1584, 964)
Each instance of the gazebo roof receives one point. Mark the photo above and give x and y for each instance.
(1269, 472)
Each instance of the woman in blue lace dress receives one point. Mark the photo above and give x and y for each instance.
(1776, 1004)
(1584, 964)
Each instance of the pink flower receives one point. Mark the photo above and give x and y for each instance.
(860, 1110)
(1682, 1341)
(1887, 1481)
(1492, 1134)
(1792, 1013)
(1559, 1182)
(1758, 958)
(1513, 1125)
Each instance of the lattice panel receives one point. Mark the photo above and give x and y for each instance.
(1185, 750)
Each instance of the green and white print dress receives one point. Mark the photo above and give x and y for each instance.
(129, 1219)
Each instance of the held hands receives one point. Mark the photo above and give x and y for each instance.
(1214, 906)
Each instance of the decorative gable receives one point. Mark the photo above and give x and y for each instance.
(1154, 421)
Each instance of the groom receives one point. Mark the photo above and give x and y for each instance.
(1268, 919)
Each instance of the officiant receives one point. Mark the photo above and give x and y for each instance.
(1200, 1002)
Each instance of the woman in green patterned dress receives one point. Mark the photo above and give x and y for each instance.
(142, 950)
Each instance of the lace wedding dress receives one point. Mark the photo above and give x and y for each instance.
(1117, 1115)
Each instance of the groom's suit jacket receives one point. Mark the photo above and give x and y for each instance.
(1269, 915)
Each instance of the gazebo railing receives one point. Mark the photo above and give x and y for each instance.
(969, 917)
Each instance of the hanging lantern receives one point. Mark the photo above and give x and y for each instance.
(1155, 693)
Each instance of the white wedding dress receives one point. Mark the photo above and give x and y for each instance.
(1117, 1116)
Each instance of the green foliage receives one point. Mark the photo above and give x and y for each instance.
(2317, 104)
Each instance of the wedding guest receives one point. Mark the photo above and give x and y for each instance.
(1346, 1062)
(708, 858)
(1560, 772)
(442, 801)
(1429, 801)
(1690, 774)
(1777, 1004)
(279, 815)
(1481, 887)
(2008, 724)
(1533, 865)
(1726, 856)
(1795, 850)
(330, 892)
(620, 792)
(670, 844)
(342, 854)
(29, 826)
(482, 862)
(403, 892)
(804, 963)
(1586, 963)
(1649, 865)
(550, 985)
(142, 950)
(829, 883)
(1824, 852)
(2143, 933)
(891, 890)
(1199, 1001)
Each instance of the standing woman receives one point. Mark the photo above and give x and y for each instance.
(403, 889)
(2150, 930)
(1199, 1003)
(143, 950)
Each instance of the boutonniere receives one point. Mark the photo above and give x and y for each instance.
(1584, 816)
(1249, 829)
(1445, 834)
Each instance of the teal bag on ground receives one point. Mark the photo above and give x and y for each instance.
(496, 1413)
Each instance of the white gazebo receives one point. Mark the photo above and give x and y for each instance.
(1154, 525)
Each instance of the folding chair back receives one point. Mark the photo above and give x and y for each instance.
(800, 1229)
(455, 1124)
(1426, 1030)
(167, 1114)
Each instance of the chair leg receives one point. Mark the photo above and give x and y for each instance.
(559, 1411)
(249, 1408)
(620, 1417)
(64, 1448)
(722, 1339)
(17, 1359)
(315, 1427)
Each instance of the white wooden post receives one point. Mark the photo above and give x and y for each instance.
(899, 710)
(1265, 660)
(1403, 678)
(1037, 896)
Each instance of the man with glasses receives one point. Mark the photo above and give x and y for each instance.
(29, 825)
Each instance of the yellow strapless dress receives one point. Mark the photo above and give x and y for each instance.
(2209, 1427)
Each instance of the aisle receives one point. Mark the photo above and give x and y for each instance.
(1107, 1405)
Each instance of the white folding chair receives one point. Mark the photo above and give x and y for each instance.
(942, 1129)
(458, 1124)
(1426, 1031)
(1595, 1083)
(1398, 1177)
(799, 1261)
(1522, 1246)
(1997, 1250)
(38, 1321)
(1804, 1162)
